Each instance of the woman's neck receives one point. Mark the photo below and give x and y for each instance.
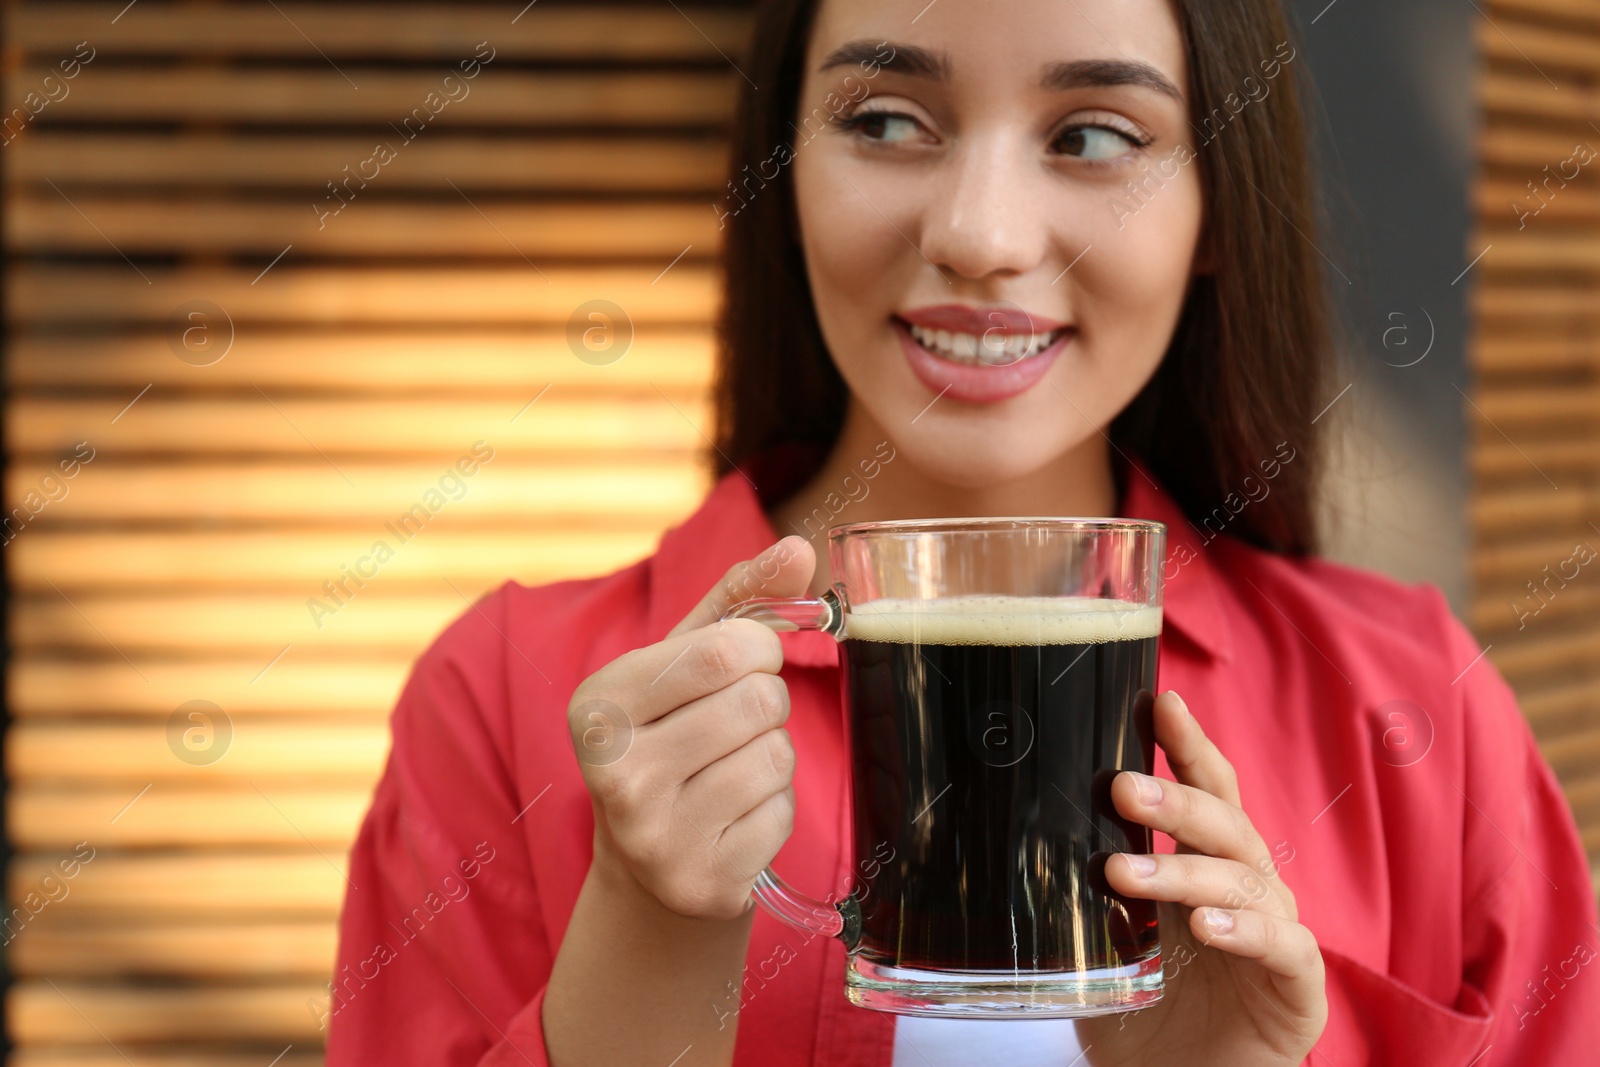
(842, 490)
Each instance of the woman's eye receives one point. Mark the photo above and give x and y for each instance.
(883, 126)
(1096, 142)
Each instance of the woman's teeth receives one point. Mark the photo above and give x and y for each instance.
(996, 349)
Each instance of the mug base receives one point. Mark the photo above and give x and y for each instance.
(1004, 994)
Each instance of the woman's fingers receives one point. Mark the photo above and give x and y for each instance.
(738, 783)
(647, 683)
(782, 569)
(1194, 818)
(697, 845)
(1222, 870)
(1194, 759)
(755, 837)
(701, 654)
(703, 731)
(682, 747)
(1284, 947)
(1193, 881)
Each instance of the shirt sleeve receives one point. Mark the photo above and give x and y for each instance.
(442, 953)
(1530, 987)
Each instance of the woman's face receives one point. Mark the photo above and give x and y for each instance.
(990, 286)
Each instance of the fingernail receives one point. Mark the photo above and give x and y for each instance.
(1184, 704)
(1217, 920)
(1144, 866)
(1149, 788)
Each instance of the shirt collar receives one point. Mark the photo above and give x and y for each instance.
(731, 525)
(1192, 601)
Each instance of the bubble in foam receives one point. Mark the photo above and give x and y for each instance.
(1002, 620)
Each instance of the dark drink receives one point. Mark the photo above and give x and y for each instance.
(985, 732)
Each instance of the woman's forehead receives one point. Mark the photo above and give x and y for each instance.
(956, 41)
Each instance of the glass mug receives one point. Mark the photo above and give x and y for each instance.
(997, 674)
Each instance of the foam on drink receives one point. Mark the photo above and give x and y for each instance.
(1002, 620)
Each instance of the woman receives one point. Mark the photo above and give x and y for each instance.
(983, 259)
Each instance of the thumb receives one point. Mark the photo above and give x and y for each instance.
(784, 569)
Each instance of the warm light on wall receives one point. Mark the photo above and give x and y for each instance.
(319, 423)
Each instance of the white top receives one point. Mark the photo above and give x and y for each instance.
(920, 1041)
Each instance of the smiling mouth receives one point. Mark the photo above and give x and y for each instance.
(994, 349)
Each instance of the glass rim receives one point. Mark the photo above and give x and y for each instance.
(987, 524)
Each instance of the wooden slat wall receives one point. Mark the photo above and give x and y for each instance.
(425, 316)
(1536, 411)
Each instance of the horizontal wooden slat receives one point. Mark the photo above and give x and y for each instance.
(298, 563)
(147, 948)
(93, 1014)
(225, 1056)
(40, 686)
(1527, 95)
(1535, 149)
(1565, 705)
(1538, 405)
(109, 295)
(1557, 651)
(1494, 457)
(1512, 613)
(1542, 250)
(486, 362)
(1582, 782)
(1511, 40)
(1581, 14)
(1520, 513)
(1509, 209)
(1509, 355)
(171, 815)
(221, 885)
(304, 163)
(541, 499)
(1543, 308)
(1532, 600)
(1509, 565)
(1576, 759)
(102, 754)
(380, 96)
(260, 622)
(290, 31)
(488, 229)
(287, 426)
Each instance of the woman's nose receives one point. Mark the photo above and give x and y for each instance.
(983, 215)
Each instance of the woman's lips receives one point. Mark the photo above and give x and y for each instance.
(960, 318)
(977, 384)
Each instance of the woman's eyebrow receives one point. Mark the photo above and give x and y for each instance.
(902, 58)
(1075, 74)
(1097, 72)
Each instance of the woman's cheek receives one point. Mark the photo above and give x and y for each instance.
(1143, 266)
(1125, 293)
(851, 256)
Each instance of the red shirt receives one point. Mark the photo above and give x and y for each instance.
(1381, 756)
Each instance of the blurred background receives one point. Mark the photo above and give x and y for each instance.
(273, 270)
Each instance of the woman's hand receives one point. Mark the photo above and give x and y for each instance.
(683, 749)
(1250, 994)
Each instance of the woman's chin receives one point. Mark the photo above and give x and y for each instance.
(973, 466)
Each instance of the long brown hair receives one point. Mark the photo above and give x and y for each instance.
(1249, 360)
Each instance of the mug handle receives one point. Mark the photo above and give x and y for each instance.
(843, 919)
